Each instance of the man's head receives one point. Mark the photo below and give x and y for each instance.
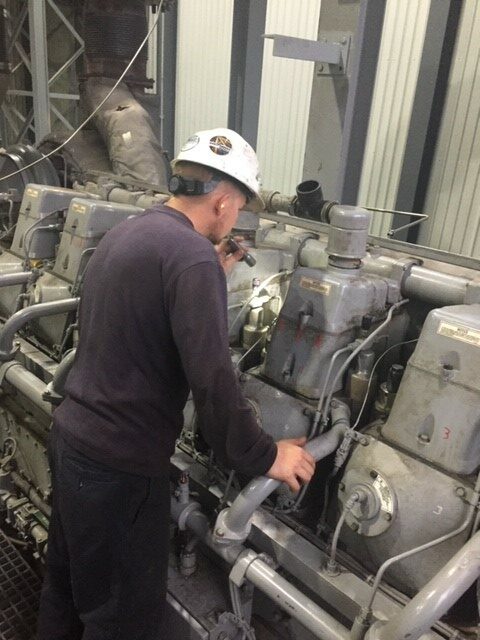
(214, 176)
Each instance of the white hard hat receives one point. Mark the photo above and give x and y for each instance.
(226, 151)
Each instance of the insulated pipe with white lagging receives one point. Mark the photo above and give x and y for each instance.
(233, 523)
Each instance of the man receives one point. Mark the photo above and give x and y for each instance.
(152, 326)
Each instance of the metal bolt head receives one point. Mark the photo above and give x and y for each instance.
(387, 516)
(373, 474)
(354, 526)
(460, 492)
(341, 486)
(219, 532)
(423, 437)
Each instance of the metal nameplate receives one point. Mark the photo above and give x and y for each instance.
(459, 332)
(79, 208)
(315, 285)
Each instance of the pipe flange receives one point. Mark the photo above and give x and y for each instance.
(222, 534)
(374, 515)
(402, 268)
(183, 517)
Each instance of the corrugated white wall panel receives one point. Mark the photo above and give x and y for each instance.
(285, 96)
(453, 197)
(204, 44)
(398, 65)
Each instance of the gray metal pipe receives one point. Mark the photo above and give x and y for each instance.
(285, 595)
(431, 286)
(295, 603)
(234, 521)
(189, 516)
(61, 373)
(276, 201)
(27, 383)
(436, 597)
(11, 279)
(435, 287)
(20, 319)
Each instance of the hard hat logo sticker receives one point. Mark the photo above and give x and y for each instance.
(220, 145)
(190, 143)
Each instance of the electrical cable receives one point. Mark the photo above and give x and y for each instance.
(99, 106)
(323, 516)
(246, 630)
(322, 412)
(9, 455)
(362, 408)
(319, 410)
(427, 545)
(363, 345)
(248, 351)
(7, 231)
(255, 293)
(350, 503)
(26, 246)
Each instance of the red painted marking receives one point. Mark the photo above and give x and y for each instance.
(446, 433)
(318, 341)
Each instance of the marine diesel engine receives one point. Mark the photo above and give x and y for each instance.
(372, 352)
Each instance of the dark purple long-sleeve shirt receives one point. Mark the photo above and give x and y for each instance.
(153, 325)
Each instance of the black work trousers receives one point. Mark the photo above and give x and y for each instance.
(107, 552)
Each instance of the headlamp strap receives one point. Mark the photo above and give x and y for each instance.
(189, 186)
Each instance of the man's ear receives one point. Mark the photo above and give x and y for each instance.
(221, 203)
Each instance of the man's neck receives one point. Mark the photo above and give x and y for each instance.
(199, 218)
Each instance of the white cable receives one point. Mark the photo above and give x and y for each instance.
(363, 345)
(371, 377)
(99, 106)
(256, 292)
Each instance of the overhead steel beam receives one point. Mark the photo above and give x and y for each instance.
(39, 67)
(340, 102)
(429, 101)
(359, 100)
(246, 67)
(166, 77)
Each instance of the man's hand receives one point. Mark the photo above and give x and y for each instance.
(293, 464)
(227, 259)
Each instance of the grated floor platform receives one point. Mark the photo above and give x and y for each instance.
(19, 594)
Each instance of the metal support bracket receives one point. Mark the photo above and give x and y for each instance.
(331, 51)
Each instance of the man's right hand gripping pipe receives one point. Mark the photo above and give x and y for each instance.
(293, 464)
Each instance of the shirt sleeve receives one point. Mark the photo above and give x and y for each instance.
(197, 304)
